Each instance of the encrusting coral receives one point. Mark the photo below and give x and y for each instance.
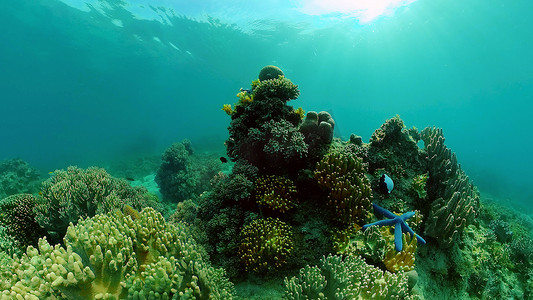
(342, 174)
(112, 256)
(266, 244)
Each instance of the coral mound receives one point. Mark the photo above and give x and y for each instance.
(115, 257)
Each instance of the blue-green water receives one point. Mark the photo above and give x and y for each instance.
(88, 83)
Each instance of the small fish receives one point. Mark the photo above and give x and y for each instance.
(129, 179)
(51, 173)
(247, 90)
(386, 184)
(223, 159)
(40, 193)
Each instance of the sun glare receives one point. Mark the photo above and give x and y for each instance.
(364, 10)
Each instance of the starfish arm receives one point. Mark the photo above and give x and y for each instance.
(386, 222)
(383, 211)
(398, 237)
(406, 228)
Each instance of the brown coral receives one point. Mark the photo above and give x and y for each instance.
(343, 175)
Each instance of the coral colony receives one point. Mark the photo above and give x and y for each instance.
(290, 207)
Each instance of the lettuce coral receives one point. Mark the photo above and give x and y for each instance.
(115, 257)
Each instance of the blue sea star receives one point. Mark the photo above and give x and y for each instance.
(399, 225)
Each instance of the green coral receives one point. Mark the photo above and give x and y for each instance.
(18, 217)
(270, 72)
(455, 200)
(114, 257)
(348, 278)
(276, 192)
(342, 174)
(419, 185)
(74, 193)
(265, 244)
(279, 88)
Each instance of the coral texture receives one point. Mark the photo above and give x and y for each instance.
(342, 174)
(265, 244)
(455, 200)
(175, 176)
(74, 193)
(270, 72)
(348, 278)
(116, 257)
(275, 192)
(18, 217)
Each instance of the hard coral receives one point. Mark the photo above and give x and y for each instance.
(455, 199)
(276, 192)
(115, 257)
(270, 72)
(265, 244)
(279, 88)
(348, 278)
(342, 174)
(18, 217)
(74, 193)
(16, 177)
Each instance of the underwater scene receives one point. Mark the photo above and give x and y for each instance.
(306, 149)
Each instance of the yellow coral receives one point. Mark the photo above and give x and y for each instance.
(404, 260)
(300, 112)
(245, 98)
(265, 244)
(276, 192)
(343, 175)
(227, 108)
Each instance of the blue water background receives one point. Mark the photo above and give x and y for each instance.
(84, 84)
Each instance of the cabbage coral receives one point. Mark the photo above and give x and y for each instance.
(115, 257)
(265, 244)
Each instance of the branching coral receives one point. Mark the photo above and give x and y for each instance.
(175, 176)
(342, 174)
(276, 192)
(74, 193)
(348, 278)
(114, 256)
(280, 88)
(265, 244)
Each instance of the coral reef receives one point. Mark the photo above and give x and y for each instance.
(265, 244)
(175, 176)
(348, 278)
(276, 192)
(455, 200)
(342, 175)
(405, 259)
(270, 72)
(74, 193)
(113, 256)
(317, 129)
(19, 220)
(17, 177)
